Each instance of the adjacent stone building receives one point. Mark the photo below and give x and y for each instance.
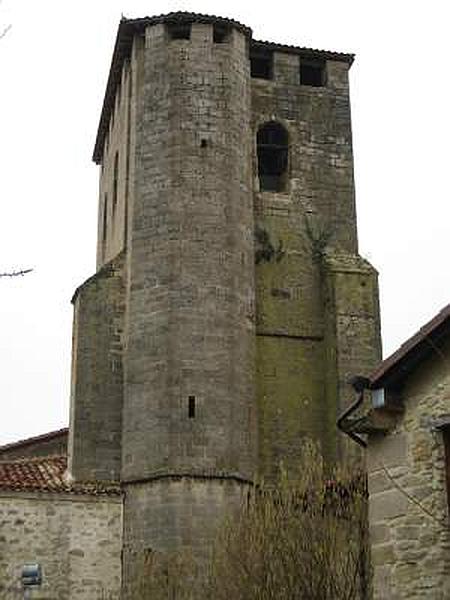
(230, 304)
(73, 530)
(408, 457)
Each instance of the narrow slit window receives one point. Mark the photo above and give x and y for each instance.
(191, 407)
(261, 64)
(179, 31)
(115, 182)
(446, 437)
(312, 73)
(125, 224)
(105, 220)
(272, 148)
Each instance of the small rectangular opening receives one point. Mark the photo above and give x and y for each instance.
(115, 183)
(105, 221)
(312, 72)
(261, 64)
(221, 33)
(191, 407)
(179, 31)
(446, 436)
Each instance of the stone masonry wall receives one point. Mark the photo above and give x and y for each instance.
(410, 530)
(174, 515)
(352, 340)
(77, 540)
(190, 317)
(97, 376)
(310, 326)
(198, 330)
(190, 313)
(114, 207)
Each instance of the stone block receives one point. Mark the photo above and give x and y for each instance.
(382, 583)
(380, 534)
(378, 482)
(387, 505)
(388, 451)
(383, 554)
(286, 68)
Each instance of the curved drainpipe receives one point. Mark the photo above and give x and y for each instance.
(359, 384)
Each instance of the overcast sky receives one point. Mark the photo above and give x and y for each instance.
(54, 65)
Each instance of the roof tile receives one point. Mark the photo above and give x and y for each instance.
(47, 474)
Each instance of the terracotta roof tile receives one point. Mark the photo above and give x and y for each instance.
(47, 475)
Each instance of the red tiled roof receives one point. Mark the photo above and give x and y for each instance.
(47, 475)
(420, 345)
(33, 440)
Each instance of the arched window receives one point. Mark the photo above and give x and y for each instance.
(272, 147)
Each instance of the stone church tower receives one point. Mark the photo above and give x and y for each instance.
(230, 304)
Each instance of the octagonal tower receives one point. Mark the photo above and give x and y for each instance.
(230, 304)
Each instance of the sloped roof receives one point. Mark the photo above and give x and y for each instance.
(418, 347)
(45, 437)
(47, 475)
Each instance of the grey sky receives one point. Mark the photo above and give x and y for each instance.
(54, 64)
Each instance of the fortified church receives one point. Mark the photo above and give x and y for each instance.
(229, 309)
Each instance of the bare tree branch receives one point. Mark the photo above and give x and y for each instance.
(5, 31)
(16, 273)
